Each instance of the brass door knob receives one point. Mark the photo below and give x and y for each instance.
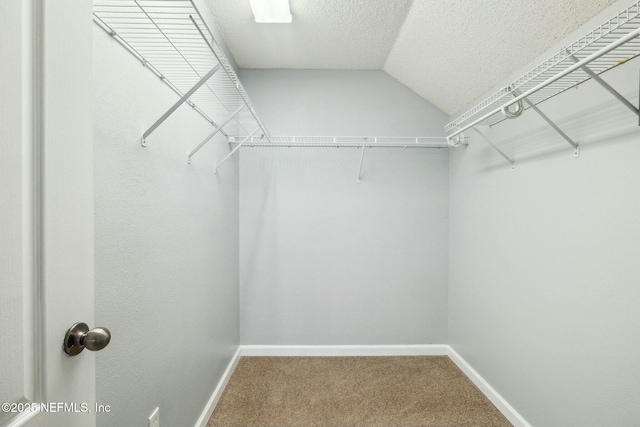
(79, 337)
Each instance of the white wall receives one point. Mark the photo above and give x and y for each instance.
(166, 248)
(325, 260)
(545, 261)
(345, 103)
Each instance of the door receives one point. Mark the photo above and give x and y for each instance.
(46, 211)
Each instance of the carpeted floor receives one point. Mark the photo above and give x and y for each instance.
(408, 391)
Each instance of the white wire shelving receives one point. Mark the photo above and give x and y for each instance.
(343, 141)
(611, 44)
(172, 39)
(359, 142)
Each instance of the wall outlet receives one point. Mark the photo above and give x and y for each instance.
(154, 418)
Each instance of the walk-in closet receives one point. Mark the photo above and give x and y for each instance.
(319, 213)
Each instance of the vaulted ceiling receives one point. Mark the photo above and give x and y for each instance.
(448, 51)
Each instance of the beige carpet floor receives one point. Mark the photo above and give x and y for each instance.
(408, 391)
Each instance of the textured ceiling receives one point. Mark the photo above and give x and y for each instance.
(448, 51)
(326, 34)
(451, 52)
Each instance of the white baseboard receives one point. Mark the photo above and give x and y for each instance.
(498, 401)
(363, 350)
(217, 393)
(344, 350)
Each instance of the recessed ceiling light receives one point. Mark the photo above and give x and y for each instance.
(271, 11)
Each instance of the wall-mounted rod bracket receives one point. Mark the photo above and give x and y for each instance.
(218, 129)
(488, 141)
(175, 106)
(457, 141)
(361, 160)
(513, 114)
(215, 170)
(596, 78)
(576, 147)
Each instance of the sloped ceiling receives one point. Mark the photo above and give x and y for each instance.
(448, 51)
(325, 34)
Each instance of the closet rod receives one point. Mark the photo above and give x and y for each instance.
(346, 141)
(342, 145)
(578, 65)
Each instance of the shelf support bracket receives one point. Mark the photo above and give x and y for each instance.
(212, 134)
(215, 170)
(607, 86)
(250, 108)
(575, 145)
(361, 160)
(175, 106)
(488, 141)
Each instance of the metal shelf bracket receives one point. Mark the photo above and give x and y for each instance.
(175, 106)
(361, 160)
(575, 145)
(538, 84)
(237, 83)
(607, 86)
(174, 41)
(215, 170)
(211, 135)
(488, 141)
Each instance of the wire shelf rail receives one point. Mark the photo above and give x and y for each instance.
(358, 142)
(342, 141)
(592, 49)
(173, 40)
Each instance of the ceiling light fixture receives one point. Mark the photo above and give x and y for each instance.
(271, 11)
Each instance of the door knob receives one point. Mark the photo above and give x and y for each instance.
(79, 337)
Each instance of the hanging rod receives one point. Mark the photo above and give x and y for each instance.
(591, 45)
(358, 142)
(343, 141)
(578, 65)
(352, 145)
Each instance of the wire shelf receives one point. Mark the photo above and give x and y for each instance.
(342, 141)
(167, 37)
(620, 25)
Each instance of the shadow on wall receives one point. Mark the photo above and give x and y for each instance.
(588, 115)
(602, 124)
(262, 231)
